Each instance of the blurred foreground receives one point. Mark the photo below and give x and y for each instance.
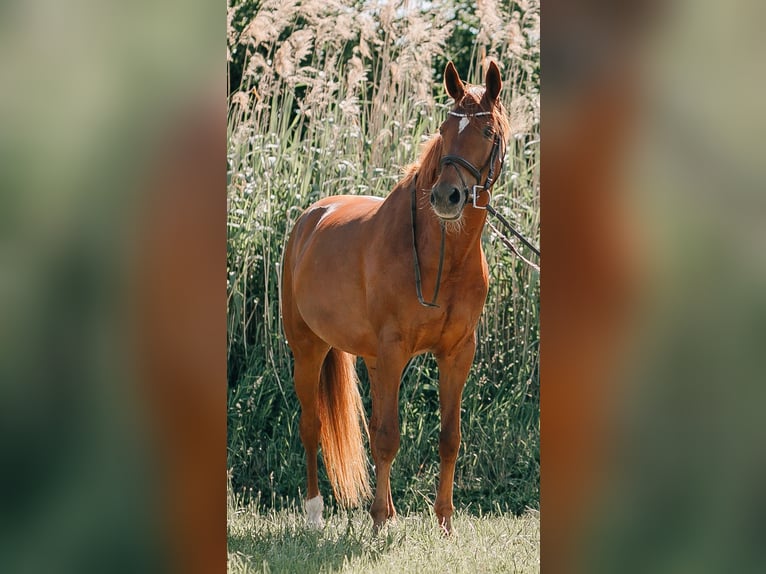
(112, 336)
(653, 309)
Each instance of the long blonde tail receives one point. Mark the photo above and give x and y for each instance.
(342, 422)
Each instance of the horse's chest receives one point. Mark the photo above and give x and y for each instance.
(438, 330)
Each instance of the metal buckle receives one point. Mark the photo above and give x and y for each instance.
(473, 196)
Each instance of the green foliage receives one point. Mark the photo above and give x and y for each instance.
(345, 119)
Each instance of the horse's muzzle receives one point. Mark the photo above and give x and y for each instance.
(447, 200)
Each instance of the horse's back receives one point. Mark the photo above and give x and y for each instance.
(344, 209)
(332, 222)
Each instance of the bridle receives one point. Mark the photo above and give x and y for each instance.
(470, 196)
(455, 160)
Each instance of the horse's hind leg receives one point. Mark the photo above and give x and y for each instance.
(309, 353)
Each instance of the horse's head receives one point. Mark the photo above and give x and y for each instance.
(473, 143)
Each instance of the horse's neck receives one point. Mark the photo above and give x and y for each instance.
(462, 240)
(462, 243)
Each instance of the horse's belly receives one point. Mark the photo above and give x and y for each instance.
(331, 300)
(339, 324)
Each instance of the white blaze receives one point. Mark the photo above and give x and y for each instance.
(461, 126)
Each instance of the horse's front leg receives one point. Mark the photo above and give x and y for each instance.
(453, 371)
(385, 376)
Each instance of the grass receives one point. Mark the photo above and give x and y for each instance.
(279, 541)
(345, 117)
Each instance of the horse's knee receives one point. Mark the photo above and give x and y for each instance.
(449, 443)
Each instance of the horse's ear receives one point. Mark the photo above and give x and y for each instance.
(493, 82)
(453, 83)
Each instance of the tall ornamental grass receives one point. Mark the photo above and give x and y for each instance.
(336, 97)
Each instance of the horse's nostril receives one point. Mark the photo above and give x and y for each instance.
(454, 196)
(433, 198)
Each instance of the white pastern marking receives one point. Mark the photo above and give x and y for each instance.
(314, 509)
(461, 126)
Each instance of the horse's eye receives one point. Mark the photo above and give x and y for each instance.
(488, 132)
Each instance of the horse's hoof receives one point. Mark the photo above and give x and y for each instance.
(379, 516)
(377, 525)
(314, 509)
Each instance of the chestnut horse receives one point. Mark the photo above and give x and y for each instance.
(354, 271)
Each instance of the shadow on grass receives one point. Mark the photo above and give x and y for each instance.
(283, 549)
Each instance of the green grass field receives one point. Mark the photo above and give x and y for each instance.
(279, 541)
